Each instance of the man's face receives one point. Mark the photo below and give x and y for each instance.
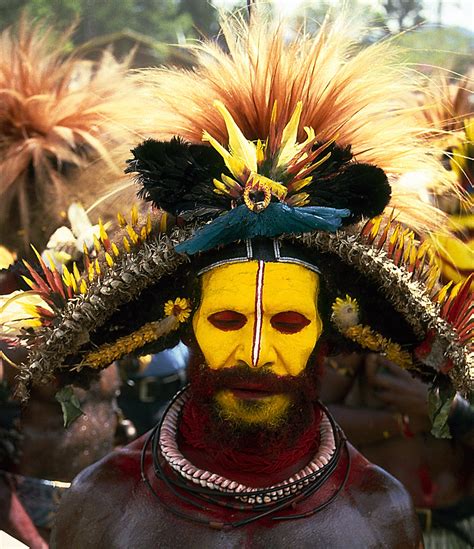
(262, 318)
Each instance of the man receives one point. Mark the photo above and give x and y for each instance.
(248, 419)
(258, 262)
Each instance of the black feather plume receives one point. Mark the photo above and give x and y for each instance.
(177, 177)
(362, 188)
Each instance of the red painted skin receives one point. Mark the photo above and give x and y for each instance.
(109, 506)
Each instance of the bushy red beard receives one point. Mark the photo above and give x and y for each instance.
(250, 453)
(205, 383)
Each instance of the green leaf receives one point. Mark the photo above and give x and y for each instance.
(70, 405)
(440, 399)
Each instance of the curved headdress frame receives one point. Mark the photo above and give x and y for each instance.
(64, 344)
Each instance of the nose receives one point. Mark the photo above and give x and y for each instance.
(256, 348)
(264, 352)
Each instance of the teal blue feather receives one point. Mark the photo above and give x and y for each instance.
(277, 219)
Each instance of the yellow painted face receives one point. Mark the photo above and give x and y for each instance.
(260, 314)
(263, 315)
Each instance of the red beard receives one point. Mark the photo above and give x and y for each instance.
(248, 451)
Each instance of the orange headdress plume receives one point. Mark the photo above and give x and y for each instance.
(57, 113)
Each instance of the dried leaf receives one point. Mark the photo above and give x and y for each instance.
(70, 405)
(440, 399)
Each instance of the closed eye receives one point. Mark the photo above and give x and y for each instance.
(289, 322)
(227, 320)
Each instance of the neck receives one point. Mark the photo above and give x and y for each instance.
(255, 457)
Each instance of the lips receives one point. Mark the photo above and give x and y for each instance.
(251, 391)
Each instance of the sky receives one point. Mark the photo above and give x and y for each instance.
(454, 12)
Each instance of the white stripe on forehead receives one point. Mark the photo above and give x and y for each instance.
(257, 329)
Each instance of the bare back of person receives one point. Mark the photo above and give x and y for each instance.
(88, 439)
(437, 472)
(50, 456)
(384, 413)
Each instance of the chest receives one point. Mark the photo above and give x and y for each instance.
(151, 525)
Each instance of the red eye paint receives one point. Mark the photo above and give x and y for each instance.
(227, 320)
(289, 322)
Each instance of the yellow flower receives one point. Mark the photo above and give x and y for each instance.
(345, 313)
(180, 308)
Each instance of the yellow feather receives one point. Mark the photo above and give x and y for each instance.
(126, 244)
(220, 186)
(30, 309)
(229, 182)
(235, 165)
(38, 255)
(121, 219)
(301, 184)
(132, 234)
(97, 245)
(134, 215)
(277, 189)
(102, 232)
(28, 281)
(375, 229)
(52, 266)
(454, 292)
(288, 140)
(109, 260)
(443, 292)
(75, 271)
(66, 276)
(239, 146)
(260, 151)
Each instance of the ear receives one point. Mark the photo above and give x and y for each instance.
(361, 188)
(177, 176)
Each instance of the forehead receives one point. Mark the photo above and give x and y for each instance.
(285, 286)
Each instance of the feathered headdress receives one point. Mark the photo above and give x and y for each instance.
(57, 114)
(447, 109)
(293, 140)
(446, 104)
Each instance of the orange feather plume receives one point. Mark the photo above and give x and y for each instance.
(57, 115)
(359, 95)
(446, 104)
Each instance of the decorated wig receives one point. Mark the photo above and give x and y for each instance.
(58, 114)
(295, 144)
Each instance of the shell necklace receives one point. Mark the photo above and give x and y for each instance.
(248, 494)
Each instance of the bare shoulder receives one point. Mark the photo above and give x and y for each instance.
(119, 466)
(384, 500)
(96, 497)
